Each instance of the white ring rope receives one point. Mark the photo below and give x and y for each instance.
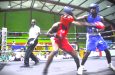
(79, 34)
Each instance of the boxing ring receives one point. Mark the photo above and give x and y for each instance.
(44, 48)
(60, 66)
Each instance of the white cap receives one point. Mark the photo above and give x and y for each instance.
(33, 20)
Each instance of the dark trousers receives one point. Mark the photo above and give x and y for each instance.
(28, 53)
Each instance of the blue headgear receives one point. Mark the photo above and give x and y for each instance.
(68, 10)
(93, 5)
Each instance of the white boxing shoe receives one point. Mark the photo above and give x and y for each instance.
(110, 65)
(84, 69)
(80, 70)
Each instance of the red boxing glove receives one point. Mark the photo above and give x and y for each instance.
(99, 25)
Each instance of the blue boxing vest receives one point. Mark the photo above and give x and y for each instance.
(94, 38)
(90, 19)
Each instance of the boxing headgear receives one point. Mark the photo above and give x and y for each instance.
(68, 10)
(93, 5)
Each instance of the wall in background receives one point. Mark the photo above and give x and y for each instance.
(19, 21)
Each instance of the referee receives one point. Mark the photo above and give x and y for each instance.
(34, 33)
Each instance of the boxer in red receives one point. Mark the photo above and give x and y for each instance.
(58, 35)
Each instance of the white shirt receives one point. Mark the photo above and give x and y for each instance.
(33, 32)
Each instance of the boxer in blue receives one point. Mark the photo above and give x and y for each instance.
(94, 38)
